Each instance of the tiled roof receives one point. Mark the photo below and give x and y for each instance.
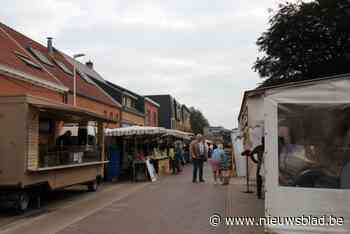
(84, 88)
(84, 68)
(117, 94)
(10, 50)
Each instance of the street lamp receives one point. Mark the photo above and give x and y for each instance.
(75, 78)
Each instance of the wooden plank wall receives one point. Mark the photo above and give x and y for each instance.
(33, 140)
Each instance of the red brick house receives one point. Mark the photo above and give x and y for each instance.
(151, 112)
(44, 71)
(21, 74)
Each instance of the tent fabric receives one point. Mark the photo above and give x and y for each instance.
(240, 161)
(145, 130)
(135, 130)
(296, 201)
(255, 111)
(178, 134)
(255, 135)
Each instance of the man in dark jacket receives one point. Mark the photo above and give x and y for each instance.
(259, 151)
(199, 154)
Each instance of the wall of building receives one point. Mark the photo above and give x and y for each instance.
(132, 119)
(112, 112)
(151, 114)
(186, 122)
(11, 86)
(165, 110)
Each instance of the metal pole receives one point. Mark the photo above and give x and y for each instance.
(75, 78)
(247, 176)
(74, 85)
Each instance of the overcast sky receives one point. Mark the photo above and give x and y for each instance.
(199, 51)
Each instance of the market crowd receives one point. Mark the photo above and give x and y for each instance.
(200, 152)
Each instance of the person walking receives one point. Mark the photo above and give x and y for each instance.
(173, 161)
(224, 164)
(215, 163)
(178, 156)
(199, 153)
(259, 151)
(210, 150)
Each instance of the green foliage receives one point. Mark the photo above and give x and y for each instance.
(305, 40)
(198, 121)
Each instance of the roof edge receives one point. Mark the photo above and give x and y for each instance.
(65, 56)
(6, 70)
(151, 101)
(262, 90)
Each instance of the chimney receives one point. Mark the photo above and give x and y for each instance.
(90, 64)
(49, 45)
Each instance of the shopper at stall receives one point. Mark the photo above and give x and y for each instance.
(178, 156)
(173, 161)
(224, 164)
(215, 163)
(259, 151)
(210, 150)
(199, 153)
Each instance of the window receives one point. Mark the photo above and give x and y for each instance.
(105, 112)
(148, 117)
(40, 56)
(111, 115)
(64, 67)
(314, 145)
(129, 102)
(65, 98)
(155, 119)
(28, 61)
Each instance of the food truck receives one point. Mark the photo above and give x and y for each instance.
(307, 153)
(34, 157)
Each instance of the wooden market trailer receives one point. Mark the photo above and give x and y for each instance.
(31, 160)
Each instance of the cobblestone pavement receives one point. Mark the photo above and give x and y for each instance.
(173, 205)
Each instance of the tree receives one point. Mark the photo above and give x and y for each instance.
(305, 40)
(198, 121)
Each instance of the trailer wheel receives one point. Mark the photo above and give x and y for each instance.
(22, 203)
(93, 186)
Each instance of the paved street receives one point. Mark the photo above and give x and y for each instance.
(171, 205)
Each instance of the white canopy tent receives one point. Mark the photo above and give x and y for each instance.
(240, 161)
(135, 130)
(178, 134)
(145, 130)
(307, 152)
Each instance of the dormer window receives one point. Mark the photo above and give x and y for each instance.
(27, 60)
(64, 67)
(42, 58)
(129, 102)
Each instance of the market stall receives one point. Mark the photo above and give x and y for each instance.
(33, 154)
(138, 146)
(307, 139)
(182, 138)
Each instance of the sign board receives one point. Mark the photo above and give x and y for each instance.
(151, 171)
